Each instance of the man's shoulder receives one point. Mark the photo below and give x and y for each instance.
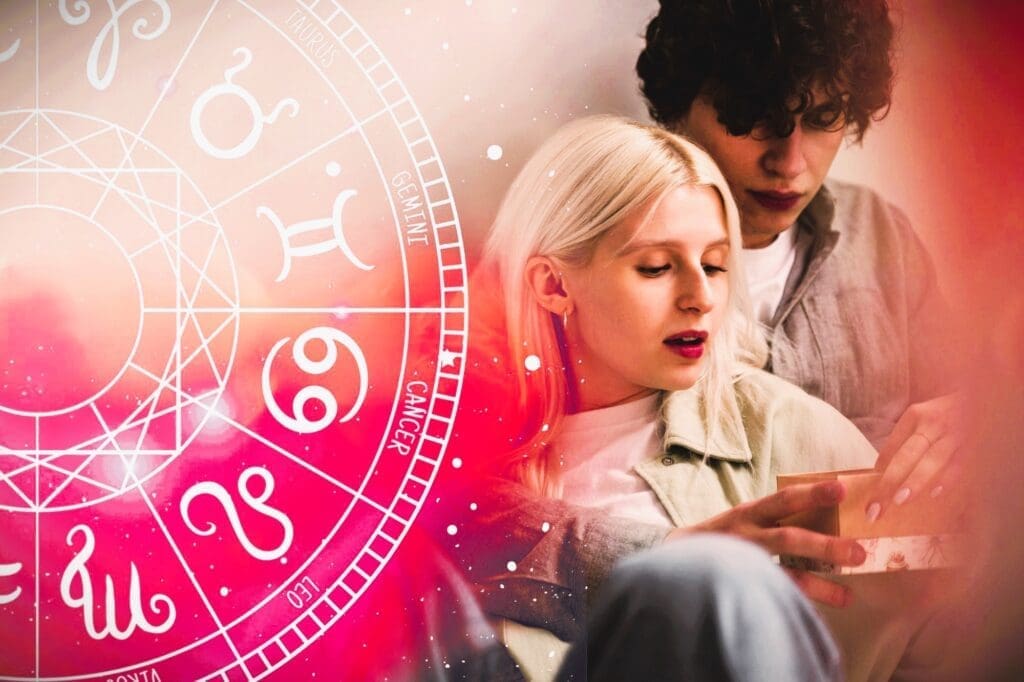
(864, 211)
(847, 189)
(872, 230)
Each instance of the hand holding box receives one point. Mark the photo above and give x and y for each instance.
(923, 533)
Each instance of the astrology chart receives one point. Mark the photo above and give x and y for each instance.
(232, 322)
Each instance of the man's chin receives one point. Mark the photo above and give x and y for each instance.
(761, 225)
(765, 227)
(759, 239)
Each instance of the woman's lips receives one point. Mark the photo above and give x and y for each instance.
(776, 201)
(688, 344)
(692, 352)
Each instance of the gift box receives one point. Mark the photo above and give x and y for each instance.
(923, 533)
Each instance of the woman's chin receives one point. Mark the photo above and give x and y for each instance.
(682, 380)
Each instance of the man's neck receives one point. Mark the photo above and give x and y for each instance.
(758, 241)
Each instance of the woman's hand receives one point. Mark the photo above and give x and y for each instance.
(758, 522)
(920, 454)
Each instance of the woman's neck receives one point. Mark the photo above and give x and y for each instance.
(596, 402)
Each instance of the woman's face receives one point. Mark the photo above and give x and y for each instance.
(645, 309)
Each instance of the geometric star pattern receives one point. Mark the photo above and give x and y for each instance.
(76, 454)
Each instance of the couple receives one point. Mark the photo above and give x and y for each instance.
(642, 413)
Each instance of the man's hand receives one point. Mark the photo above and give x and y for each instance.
(758, 522)
(920, 454)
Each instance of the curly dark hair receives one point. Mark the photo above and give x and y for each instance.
(758, 62)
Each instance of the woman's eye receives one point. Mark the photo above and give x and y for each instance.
(652, 270)
(713, 269)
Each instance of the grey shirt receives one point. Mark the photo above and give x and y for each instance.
(859, 323)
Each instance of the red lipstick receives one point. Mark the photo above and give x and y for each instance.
(688, 344)
(776, 201)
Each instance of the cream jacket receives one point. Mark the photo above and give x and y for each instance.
(784, 430)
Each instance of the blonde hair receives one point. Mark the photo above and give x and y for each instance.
(583, 181)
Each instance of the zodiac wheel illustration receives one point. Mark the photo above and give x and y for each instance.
(233, 318)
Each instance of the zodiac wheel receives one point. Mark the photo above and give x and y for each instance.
(232, 332)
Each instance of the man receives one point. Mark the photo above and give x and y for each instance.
(843, 285)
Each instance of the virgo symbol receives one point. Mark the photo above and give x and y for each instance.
(78, 570)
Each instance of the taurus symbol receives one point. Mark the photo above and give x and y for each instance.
(228, 88)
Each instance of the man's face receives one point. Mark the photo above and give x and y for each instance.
(772, 178)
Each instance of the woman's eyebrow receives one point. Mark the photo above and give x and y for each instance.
(719, 244)
(637, 245)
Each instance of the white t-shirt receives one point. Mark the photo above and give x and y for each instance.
(598, 450)
(767, 270)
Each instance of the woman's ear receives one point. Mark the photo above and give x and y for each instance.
(545, 281)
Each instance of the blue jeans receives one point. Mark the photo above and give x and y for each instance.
(709, 607)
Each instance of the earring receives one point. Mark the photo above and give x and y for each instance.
(565, 318)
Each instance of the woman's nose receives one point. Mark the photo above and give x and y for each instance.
(695, 293)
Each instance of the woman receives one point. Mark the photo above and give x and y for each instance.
(628, 330)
